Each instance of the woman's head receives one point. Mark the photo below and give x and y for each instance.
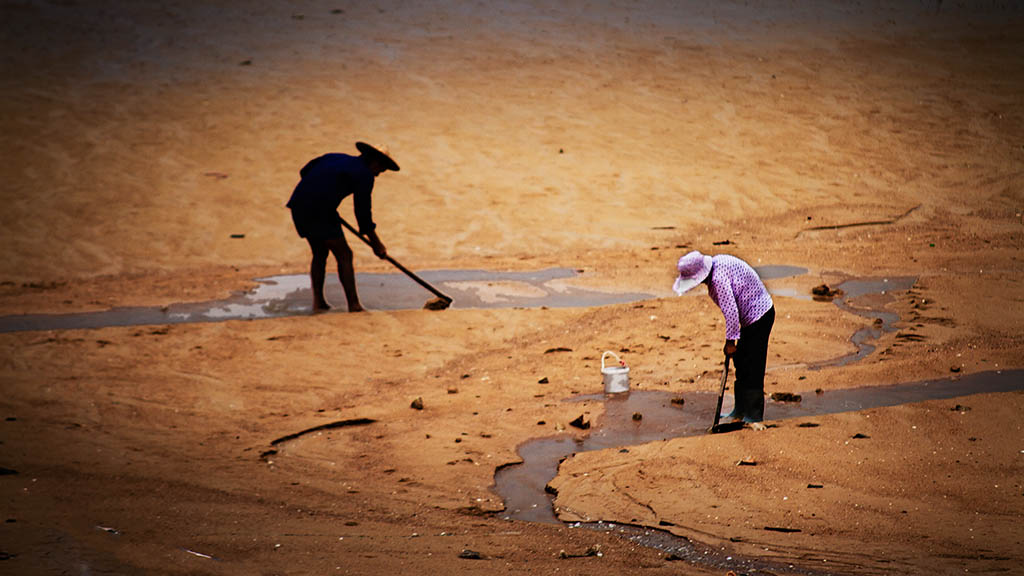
(693, 269)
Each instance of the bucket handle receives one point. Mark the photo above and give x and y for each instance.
(605, 355)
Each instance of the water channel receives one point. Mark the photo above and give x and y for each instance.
(523, 487)
(290, 295)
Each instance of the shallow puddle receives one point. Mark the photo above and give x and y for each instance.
(290, 295)
(522, 487)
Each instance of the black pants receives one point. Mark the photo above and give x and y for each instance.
(749, 361)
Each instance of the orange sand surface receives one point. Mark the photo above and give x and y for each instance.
(853, 139)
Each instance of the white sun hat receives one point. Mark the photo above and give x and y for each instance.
(693, 269)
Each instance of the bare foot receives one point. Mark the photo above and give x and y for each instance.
(356, 308)
(757, 426)
(321, 307)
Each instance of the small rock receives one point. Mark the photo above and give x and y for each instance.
(959, 408)
(453, 389)
(786, 397)
(859, 436)
(580, 423)
(815, 486)
(807, 425)
(543, 380)
(821, 290)
(638, 416)
(824, 292)
(678, 401)
(468, 554)
(557, 349)
(594, 550)
(954, 369)
(746, 463)
(417, 404)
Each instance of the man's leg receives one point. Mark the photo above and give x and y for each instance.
(750, 360)
(346, 271)
(317, 273)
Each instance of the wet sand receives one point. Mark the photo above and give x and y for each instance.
(151, 146)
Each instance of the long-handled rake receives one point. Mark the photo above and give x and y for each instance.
(439, 303)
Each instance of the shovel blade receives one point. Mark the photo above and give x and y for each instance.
(726, 427)
(437, 304)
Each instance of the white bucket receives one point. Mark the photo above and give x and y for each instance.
(616, 378)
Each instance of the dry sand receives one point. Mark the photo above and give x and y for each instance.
(850, 139)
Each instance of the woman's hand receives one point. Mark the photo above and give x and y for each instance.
(730, 348)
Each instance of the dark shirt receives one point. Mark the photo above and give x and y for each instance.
(327, 180)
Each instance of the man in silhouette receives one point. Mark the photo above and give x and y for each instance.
(325, 182)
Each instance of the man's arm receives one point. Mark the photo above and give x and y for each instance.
(363, 207)
(378, 246)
